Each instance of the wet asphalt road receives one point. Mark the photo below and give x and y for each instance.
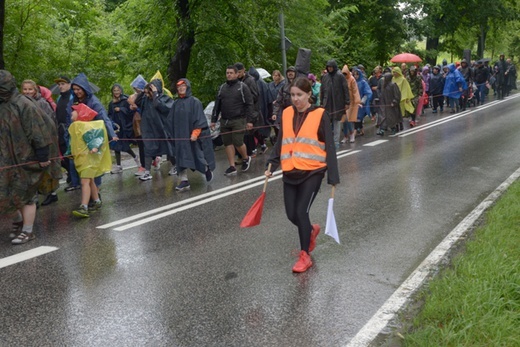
(193, 278)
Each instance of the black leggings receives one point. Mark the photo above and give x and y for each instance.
(298, 200)
(118, 155)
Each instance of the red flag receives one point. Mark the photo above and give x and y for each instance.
(254, 215)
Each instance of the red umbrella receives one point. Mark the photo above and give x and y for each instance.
(406, 58)
(254, 215)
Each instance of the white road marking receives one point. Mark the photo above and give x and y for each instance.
(32, 253)
(375, 143)
(429, 266)
(450, 118)
(196, 201)
(184, 202)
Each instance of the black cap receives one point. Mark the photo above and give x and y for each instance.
(62, 79)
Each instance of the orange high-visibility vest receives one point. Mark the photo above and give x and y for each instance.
(305, 151)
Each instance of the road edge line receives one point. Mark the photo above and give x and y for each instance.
(397, 301)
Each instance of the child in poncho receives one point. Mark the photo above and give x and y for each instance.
(89, 147)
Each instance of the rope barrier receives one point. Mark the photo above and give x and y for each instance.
(187, 139)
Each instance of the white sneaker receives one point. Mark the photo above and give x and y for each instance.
(146, 177)
(141, 171)
(173, 171)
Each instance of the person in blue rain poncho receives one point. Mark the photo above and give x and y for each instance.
(454, 86)
(365, 93)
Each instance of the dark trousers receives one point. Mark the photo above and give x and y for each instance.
(437, 101)
(298, 199)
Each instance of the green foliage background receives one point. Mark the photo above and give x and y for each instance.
(114, 40)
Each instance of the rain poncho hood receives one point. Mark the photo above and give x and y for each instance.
(188, 87)
(81, 81)
(120, 88)
(332, 63)
(7, 86)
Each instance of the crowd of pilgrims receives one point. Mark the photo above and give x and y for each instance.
(45, 138)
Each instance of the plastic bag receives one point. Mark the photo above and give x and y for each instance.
(85, 113)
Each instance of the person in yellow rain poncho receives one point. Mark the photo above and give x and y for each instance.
(406, 93)
(89, 147)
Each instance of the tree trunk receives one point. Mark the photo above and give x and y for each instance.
(178, 66)
(481, 41)
(432, 45)
(2, 22)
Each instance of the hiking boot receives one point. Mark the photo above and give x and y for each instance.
(173, 171)
(230, 171)
(81, 212)
(304, 262)
(246, 163)
(209, 175)
(146, 177)
(22, 238)
(117, 169)
(50, 199)
(314, 234)
(184, 185)
(140, 171)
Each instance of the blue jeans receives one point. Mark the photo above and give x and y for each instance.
(482, 89)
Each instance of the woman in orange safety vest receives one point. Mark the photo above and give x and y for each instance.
(305, 150)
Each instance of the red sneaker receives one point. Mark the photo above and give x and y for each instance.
(303, 263)
(314, 234)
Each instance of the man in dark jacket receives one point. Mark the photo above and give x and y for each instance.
(234, 105)
(510, 76)
(437, 88)
(502, 81)
(250, 82)
(481, 78)
(334, 96)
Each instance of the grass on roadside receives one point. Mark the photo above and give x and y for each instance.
(476, 301)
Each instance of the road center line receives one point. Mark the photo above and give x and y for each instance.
(183, 202)
(201, 200)
(391, 308)
(375, 143)
(445, 120)
(32, 253)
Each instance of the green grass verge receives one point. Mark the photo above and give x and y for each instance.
(476, 301)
